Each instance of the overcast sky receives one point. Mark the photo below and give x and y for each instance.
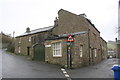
(17, 15)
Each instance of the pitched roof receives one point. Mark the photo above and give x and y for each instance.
(88, 20)
(92, 24)
(36, 31)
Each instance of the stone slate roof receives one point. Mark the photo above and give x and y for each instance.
(36, 31)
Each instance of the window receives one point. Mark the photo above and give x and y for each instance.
(20, 40)
(57, 49)
(29, 39)
(19, 50)
(81, 50)
(95, 50)
(90, 52)
(95, 36)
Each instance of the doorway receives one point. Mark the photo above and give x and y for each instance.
(28, 51)
(39, 52)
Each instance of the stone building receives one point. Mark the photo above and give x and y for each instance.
(31, 43)
(118, 48)
(112, 49)
(49, 44)
(86, 48)
(104, 49)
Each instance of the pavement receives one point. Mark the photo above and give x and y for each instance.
(14, 66)
(101, 70)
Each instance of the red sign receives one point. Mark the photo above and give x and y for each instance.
(70, 39)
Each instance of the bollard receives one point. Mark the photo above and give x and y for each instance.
(116, 69)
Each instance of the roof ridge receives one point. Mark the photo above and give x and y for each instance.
(41, 28)
(36, 31)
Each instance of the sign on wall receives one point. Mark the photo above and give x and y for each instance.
(70, 39)
(47, 46)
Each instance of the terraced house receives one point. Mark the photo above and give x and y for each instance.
(84, 48)
(31, 43)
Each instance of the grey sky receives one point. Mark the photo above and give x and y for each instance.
(17, 15)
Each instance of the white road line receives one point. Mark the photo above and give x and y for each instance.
(69, 79)
(62, 69)
(66, 74)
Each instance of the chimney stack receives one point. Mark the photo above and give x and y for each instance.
(27, 30)
(56, 22)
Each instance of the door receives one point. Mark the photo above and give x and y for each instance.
(28, 51)
(39, 53)
(91, 56)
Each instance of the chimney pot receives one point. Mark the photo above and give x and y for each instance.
(27, 30)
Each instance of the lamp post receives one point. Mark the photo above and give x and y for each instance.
(69, 41)
(118, 41)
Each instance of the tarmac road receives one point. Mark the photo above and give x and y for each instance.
(100, 70)
(14, 66)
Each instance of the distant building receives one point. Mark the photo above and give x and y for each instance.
(111, 53)
(118, 48)
(111, 45)
(5, 39)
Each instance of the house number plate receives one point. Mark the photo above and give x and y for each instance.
(47, 45)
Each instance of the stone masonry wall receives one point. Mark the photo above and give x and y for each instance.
(49, 53)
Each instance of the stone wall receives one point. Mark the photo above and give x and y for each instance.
(23, 42)
(49, 53)
(103, 49)
(77, 61)
(68, 23)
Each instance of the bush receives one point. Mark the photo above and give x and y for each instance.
(11, 47)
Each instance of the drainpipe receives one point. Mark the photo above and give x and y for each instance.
(89, 45)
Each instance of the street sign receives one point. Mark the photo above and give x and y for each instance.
(68, 48)
(70, 39)
(68, 43)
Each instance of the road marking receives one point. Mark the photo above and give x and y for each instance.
(62, 69)
(66, 74)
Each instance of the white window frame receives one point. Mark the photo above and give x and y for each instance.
(95, 51)
(55, 49)
(20, 40)
(19, 49)
(29, 39)
(81, 50)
